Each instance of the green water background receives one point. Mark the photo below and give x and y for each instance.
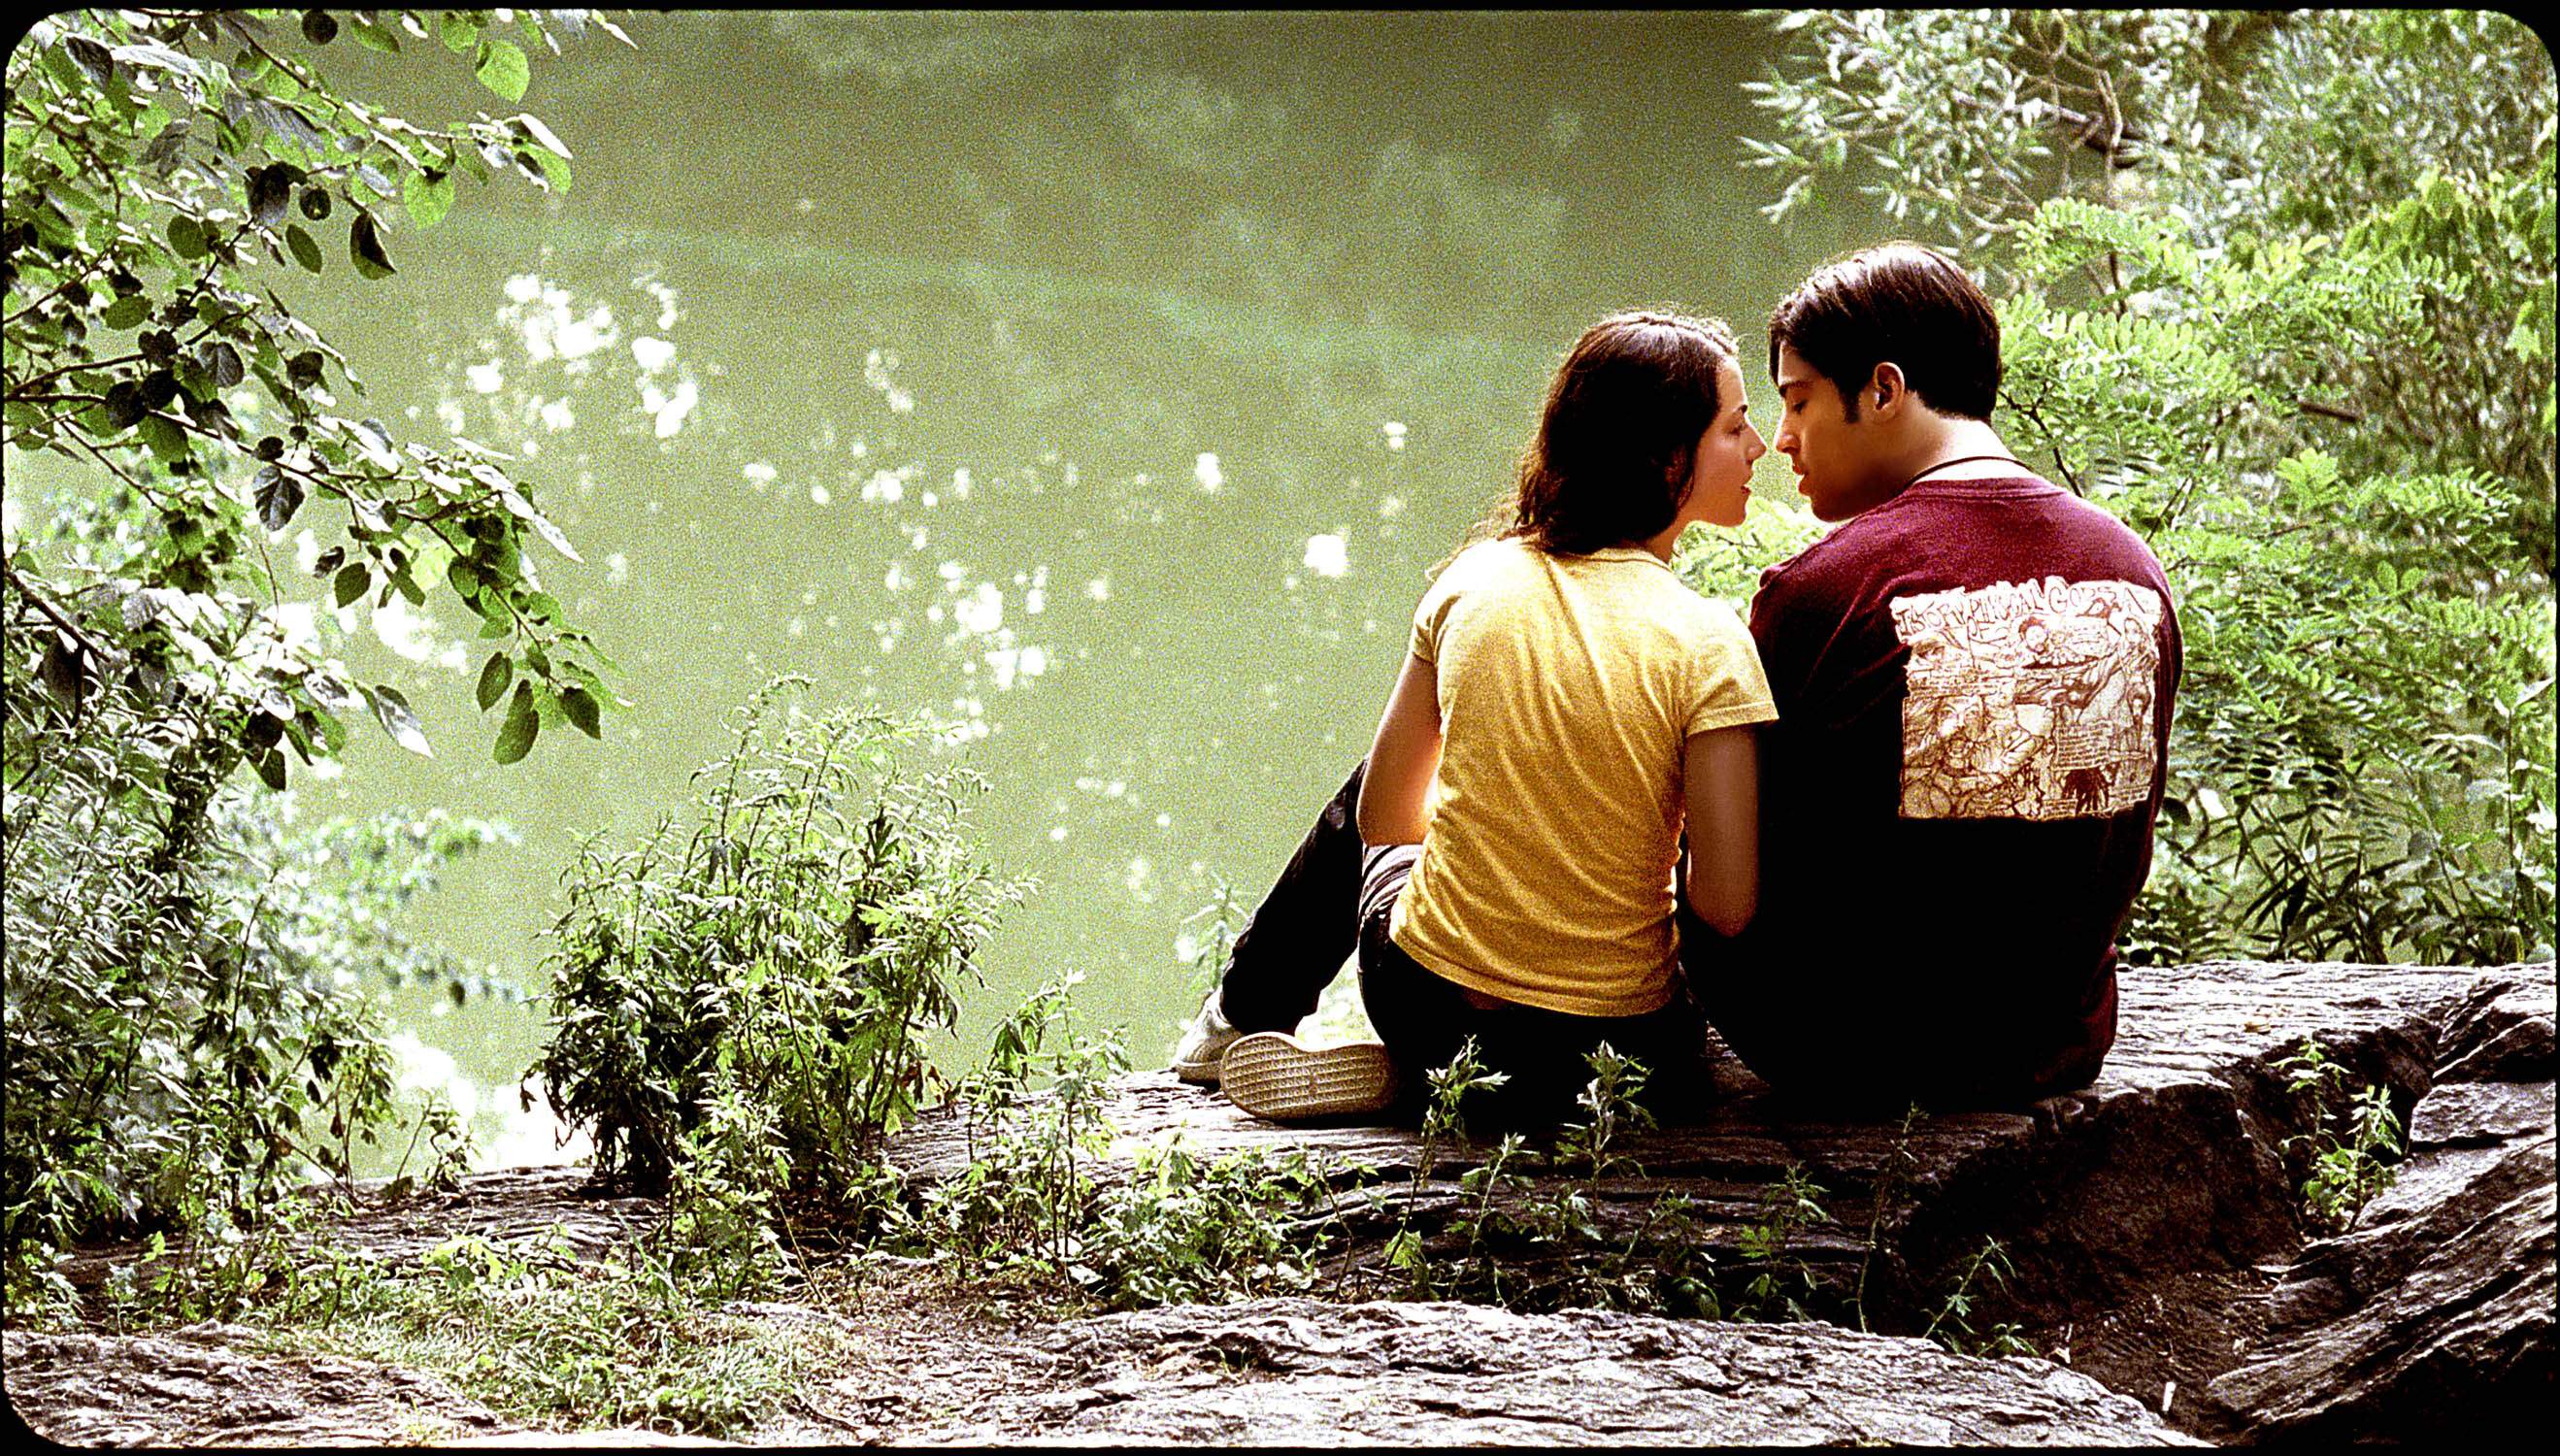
(1103, 382)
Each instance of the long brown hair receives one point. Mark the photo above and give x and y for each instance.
(1611, 458)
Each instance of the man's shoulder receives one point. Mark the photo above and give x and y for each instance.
(1892, 530)
(1820, 564)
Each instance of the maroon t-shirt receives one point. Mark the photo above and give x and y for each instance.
(1974, 685)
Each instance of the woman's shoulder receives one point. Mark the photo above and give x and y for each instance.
(1481, 562)
(1495, 550)
(1701, 618)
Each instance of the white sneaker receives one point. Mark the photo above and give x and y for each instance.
(1204, 1044)
(1274, 1075)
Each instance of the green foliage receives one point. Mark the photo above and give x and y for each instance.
(1727, 565)
(721, 1233)
(1963, 120)
(1537, 1230)
(534, 1332)
(2349, 1142)
(185, 1047)
(1779, 1281)
(1188, 1229)
(1028, 1213)
(153, 161)
(183, 1042)
(2299, 334)
(1954, 1314)
(800, 938)
(1898, 1167)
(1018, 1213)
(1202, 939)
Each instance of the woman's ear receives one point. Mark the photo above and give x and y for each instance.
(1675, 477)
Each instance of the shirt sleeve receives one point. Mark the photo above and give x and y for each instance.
(1776, 619)
(1732, 688)
(1431, 617)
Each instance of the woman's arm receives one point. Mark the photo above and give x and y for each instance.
(1721, 772)
(1402, 758)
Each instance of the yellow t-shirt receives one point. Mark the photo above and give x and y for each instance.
(1568, 686)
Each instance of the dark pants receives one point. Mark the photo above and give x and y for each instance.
(1884, 1029)
(1335, 896)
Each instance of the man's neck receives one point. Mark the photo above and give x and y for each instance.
(1955, 439)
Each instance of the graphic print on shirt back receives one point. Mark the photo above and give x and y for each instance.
(2028, 700)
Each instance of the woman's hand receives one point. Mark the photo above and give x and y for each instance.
(1720, 774)
(1402, 758)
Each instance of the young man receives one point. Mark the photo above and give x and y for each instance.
(1974, 676)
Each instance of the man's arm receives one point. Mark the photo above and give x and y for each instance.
(1402, 758)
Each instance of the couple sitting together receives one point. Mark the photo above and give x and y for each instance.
(1881, 841)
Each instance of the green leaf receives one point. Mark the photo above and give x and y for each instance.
(532, 126)
(278, 495)
(495, 675)
(503, 68)
(582, 710)
(270, 768)
(515, 739)
(399, 719)
(187, 235)
(429, 196)
(555, 168)
(365, 246)
(128, 311)
(305, 251)
(352, 579)
(163, 435)
(459, 31)
(123, 408)
(269, 190)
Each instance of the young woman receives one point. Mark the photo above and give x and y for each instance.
(1505, 859)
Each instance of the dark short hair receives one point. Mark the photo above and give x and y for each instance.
(1897, 302)
(1611, 458)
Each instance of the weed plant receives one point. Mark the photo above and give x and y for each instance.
(189, 1034)
(1032, 1213)
(2352, 1134)
(530, 1330)
(1529, 1231)
(1954, 1316)
(802, 936)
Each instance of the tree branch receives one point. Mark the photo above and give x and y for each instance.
(2088, 132)
(87, 643)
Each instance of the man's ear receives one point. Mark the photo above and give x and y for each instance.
(1887, 388)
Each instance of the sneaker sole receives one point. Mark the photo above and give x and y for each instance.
(1273, 1074)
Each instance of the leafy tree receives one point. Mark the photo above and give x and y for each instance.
(2277, 290)
(169, 1031)
(157, 163)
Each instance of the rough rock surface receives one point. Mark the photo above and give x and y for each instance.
(1275, 1372)
(1304, 1372)
(507, 1204)
(2440, 1300)
(2168, 1174)
(2172, 1158)
(2167, 1183)
(205, 1384)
